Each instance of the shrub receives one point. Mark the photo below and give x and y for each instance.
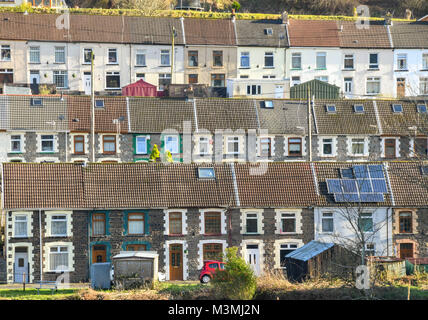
(237, 281)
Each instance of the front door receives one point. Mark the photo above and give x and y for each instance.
(175, 262)
(87, 82)
(401, 87)
(99, 254)
(21, 267)
(253, 258)
(279, 92)
(406, 250)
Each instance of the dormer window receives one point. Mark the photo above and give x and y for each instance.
(424, 170)
(36, 102)
(397, 108)
(422, 108)
(358, 108)
(267, 104)
(206, 173)
(268, 31)
(99, 103)
(330, 108)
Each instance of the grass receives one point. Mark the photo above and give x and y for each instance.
(31, 294)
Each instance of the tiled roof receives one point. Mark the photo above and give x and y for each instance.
(313, 33)
(154, 115)
(233, 114)
(79, 107)
(209, 32)
(353, 35)
(409, 185)
(90, 28)
(277, 184)
(252, 33)
(401, 123)
(410, 35)
(345, 121)
(47, 185)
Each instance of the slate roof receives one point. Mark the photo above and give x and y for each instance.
(79, 107)
(313, 33)
(401, 123)
(345, 121)
(375, 36)
(209, 32)
(413, 35)
(252, 33)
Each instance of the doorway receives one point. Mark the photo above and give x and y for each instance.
(252, 257)
(21, 265)
(99, 254)
(176, 261)
(406, 250)
(279, 92)
(401, 87)
(87, 80)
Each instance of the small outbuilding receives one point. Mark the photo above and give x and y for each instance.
(140, 89)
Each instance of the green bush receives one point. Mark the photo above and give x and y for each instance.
(237, 281)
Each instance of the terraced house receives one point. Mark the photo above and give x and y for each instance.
(64, 217)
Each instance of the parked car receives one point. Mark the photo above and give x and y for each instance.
(208, 270)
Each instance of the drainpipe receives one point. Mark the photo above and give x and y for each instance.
(40, 244)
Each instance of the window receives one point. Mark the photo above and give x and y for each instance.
(254, 89)
(79, 144)
(421, 147)
(425, 61)
(212, 222)
(288, 222)
(141, 145)
(296, 60)
(193, 78)
(358, 108)
(268, 31)
(140, 76)
(357, 146)
(112, 56)
(212, 251)
(136, 247)
(165, 61)
(47, 143)
(422, 108)
(58, 258)
(284, 250)
(389, 145)
(59, 225)
(327, 146)
(203, 145)
(136, 223)
(217, 58)
(99, 103)
(265, 149)
(322, 78)
(268, 59)
(206, 173)
(109, 144)
(268, 104)
(59, 54)
(251, 221)
(34, 54)
(402, 61)
(294, 147)
(405, 222)
(140, 57)
(171, 144)
(98, 224)
(175, 223)
(5, 53)
(6, 75)
(113, 80)
(217, 80)
(232, 145)
(397, 108)
(245, 59)
(330, 108)
(60, 78)
(20, 226)
(321, 60)
(423, 86)
(373, 85)
(370, 249)
(87, 56)
(193, 58)
(295, 81)
(36, 102)
(15, 143)
(348, 85)
(373, 61)
(164, 80)
(348, 62)
(366, 222)
(327, 222)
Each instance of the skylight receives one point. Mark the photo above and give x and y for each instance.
(358, 108)
(206, 173)
(331, 108)
(36, 102)
(268, 31)
(99, 103)
(268, 104)
(397, 108)
(422, 108)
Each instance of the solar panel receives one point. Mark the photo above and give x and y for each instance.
(349, 186)
(372, 197)
(346, 197)
(364, 185)
(347, 173)
(376, 171)
(361, 171)
(334, 186)
(379, 185)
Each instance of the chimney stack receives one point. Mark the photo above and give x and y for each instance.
(388, 19)
(284, 17)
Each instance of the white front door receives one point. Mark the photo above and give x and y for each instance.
(253, 258)
(279, 92)
(87, 83)
(21, 266)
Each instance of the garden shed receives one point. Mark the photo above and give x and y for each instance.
(140, 89)
(319, 89)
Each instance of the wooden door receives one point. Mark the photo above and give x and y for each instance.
(401, 87)
(406, 250)
(175, 262)
(99, 254)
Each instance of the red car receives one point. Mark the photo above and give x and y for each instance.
(209, 268)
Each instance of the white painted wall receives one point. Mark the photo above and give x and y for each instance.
(256, 69)
(414, 67)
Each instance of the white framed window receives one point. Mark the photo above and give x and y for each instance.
(373, 61)
(295, 81)
(269, 63)
(327, 222)
(373, 85)
(425, 61)
(58, 225)
(16, 143)
(164, 80)
(251, 221)
(58, 257)
(288, 221)
(171, 143)
(321, 61)
(402, 61)
(140, 76)
(87, 55)
(254, 89)
(423, 86)
(204, 145)
(327, 146)
(165, 58)
(322, 78)
(358, 146)
(284, 247)
(296, 60)
(34, 54)
(47, 143)
(232, 145)
(112, 56)
(60, 78)
(349, 83)
(366, 221)
(213, 221)
(245, 60)
(141, 144)
(265, 147)
(59, 54)
(175, 222)
(348, 62)
(140, 57)
(5, 53)
(20, 225)
(113, 80)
